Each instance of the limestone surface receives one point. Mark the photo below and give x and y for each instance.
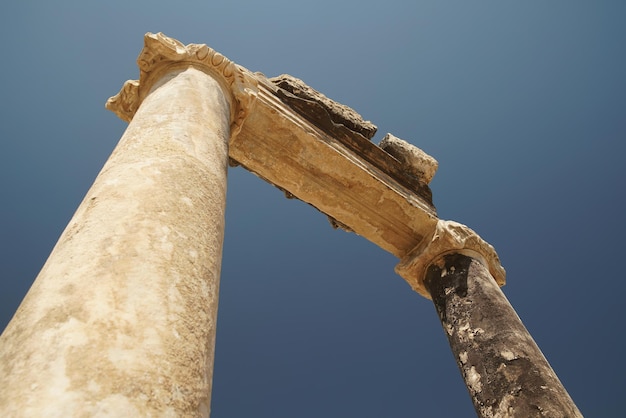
(121, 320)
(416, 161)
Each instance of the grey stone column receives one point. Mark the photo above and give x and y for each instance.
(121, 320)
(505, 372)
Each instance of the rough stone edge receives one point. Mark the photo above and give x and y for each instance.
(448, 237)
(332, 125)
(339, 113)
(412, 158)
(160, 51)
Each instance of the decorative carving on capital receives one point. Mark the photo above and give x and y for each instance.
(161, 51)
(448, 237)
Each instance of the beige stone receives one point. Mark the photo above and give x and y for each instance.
(121, 319)
(448, 237)
(349, 179)
(413, 159)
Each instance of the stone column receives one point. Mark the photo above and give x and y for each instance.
(121, 319)
(505, 372)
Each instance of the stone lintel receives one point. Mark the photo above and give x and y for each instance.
(447, 238)
(503, 368)
(297, 144)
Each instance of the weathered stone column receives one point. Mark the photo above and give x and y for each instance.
(121, 319)
(505, 372)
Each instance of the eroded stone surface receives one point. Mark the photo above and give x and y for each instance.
(162, 53)
(416, 161)
(504, 370)
(345, 176)
(337, 112)
(448, 237)
(121, 319)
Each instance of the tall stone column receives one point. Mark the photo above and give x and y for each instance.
(121, 319)
(505, 372)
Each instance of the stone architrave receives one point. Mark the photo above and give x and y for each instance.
(121, 320)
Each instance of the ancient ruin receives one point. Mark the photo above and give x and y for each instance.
(121, 319)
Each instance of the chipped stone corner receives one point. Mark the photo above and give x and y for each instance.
(413, 159)
(338, 225)
(338, 113)
(448, 237)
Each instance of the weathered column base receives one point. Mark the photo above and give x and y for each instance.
(504, 370)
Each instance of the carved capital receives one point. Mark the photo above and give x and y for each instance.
(161, 52)
(448, 237)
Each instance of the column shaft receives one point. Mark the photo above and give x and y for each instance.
(504, 370)
(121, 319)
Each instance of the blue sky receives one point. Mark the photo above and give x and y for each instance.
(522, 104)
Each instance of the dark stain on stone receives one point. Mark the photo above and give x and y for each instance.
(487, 333)
(351, 132)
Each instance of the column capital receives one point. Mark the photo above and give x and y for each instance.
(161, 53)
(448, 237)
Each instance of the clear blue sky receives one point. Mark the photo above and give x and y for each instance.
(522, 103)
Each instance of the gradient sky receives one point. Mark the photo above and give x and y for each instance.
(522, 103)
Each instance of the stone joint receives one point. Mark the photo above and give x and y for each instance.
(448, 237)
(160, 52)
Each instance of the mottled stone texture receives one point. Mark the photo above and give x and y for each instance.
(504, 370)
(413, 159)
(339, 114)
(342, 173)
(121, 320)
